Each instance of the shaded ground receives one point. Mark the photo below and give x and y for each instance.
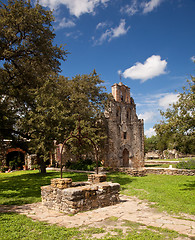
(130, 211)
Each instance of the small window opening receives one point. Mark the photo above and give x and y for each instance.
(125, 135)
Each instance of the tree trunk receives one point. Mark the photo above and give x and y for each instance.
(42, 164)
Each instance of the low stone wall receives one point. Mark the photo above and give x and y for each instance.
(132, 172)
(79, 198)
(159, 162)
(143, 172)
(170, 171)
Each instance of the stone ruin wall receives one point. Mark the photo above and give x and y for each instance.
(168, 171)
(125, 131)
(65, 196)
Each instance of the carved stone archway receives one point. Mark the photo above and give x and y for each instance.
(15, 150)
(15, 158)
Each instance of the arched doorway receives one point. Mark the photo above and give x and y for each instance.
(125, 158)
(15, 158)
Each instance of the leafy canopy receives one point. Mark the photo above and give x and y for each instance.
(27, 57)
(60, 103)
(150, 143)
(37, 103)
(177, 129)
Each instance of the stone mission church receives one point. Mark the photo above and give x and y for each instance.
(125, 145)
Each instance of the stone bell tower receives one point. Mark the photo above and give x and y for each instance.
(125, 131)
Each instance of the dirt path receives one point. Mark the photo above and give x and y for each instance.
(130, 209)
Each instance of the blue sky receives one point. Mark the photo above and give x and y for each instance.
(151, 43)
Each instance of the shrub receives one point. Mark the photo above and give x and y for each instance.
(35, 166)
(4, 169)
(190, 164)
(82, 164)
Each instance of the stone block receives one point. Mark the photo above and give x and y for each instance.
(61, 183)
(97, 178)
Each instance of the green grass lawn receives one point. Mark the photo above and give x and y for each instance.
(23, 187)
(170, 193)
(14, 226)
(165, 165)
(183, 163)
(173, 194)
(171, 159)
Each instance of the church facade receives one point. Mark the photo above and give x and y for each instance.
(125, 143)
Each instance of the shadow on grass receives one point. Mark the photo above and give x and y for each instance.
(123, 179)
(189, 186)
(26, 188)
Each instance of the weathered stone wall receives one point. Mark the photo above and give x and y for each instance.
(65, 196)
(130, 171)
(125, 147)
(170, 171)
(81, 198)
(145, 171)
(121, 92)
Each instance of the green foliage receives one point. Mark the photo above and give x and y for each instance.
(27, 50)
(59, 104)
(35, 102)
(28, 57)
(82, 164)
(190, 164)
(150, 144)
(177, 130)
(3, 168)
(8, 116)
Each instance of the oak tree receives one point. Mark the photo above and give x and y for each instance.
(27, 56)
(177, 129)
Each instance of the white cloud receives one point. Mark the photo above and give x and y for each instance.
(193, 58)
(130, 9)
(120, 30)
(147, 116)
(76, 7)
(103, 38)
(65, 23)
(119, 72)
(101, 25)
(150, 132)
(168, 99)
(135, 6)
(149, 6)
(74, 34)
(152, 67)
(111, 33)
